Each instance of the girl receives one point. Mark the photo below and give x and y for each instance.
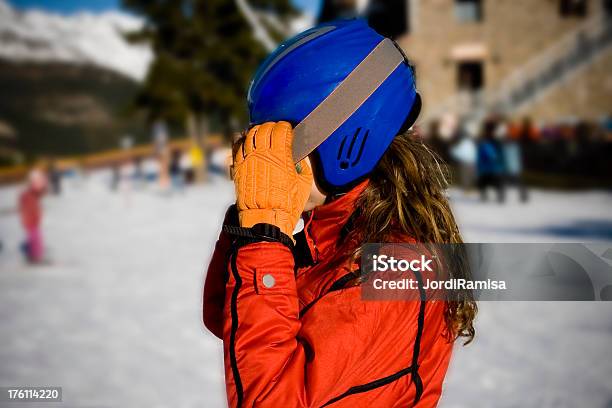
(338, 100)
(30, 212)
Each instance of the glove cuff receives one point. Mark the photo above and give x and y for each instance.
(259, 233)
(278, 218)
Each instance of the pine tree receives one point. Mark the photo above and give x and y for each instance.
(204, 56)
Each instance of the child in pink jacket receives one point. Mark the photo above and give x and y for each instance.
(30, 212)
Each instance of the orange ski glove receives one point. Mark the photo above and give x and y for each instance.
(270, 188)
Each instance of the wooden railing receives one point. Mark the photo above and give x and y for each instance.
(92, 161)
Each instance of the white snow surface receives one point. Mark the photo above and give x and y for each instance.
(115, 318)
(81, 38)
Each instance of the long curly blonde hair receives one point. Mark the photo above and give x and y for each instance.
(406, 194)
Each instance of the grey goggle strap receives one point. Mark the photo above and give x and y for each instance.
(340, 105)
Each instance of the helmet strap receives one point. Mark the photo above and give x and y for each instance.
(348, 96)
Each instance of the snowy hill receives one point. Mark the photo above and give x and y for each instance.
(65, 108)
(83, 38)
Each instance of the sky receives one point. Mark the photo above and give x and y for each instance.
(72, 6)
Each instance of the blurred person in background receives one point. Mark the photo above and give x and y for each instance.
(55, 177)
(607, 128)
(115, 175)
(221, 160)
(436, 140)
(187, 168)
(177, 175)
(138, 175)
(490, 162)
(159, 135)
(463, 153)
(30, 212)
(198, 163)
(512, 160)
(288, 306)
(526, 132)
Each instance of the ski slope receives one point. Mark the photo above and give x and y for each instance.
(115, 318)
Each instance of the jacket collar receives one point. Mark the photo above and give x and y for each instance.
(324, 224)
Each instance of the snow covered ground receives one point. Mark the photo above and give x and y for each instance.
(115, 317)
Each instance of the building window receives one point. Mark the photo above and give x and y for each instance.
(573, 8)
(470, 76)
(607, 5)
(468, 11)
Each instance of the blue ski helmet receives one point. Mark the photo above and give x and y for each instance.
(347, 90)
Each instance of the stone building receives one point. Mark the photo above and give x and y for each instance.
(549, 59)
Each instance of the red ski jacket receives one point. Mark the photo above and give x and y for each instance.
(29, 209)
(298, 336)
